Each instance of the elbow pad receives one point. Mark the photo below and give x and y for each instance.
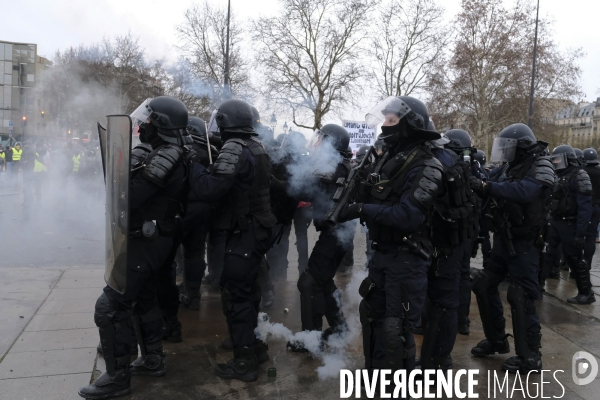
(543, 172)
(427, 184)
(583, 183)
(163, 164)
(139, 155)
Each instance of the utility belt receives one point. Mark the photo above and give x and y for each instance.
(407, 245)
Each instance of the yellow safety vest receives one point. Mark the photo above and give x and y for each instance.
(2, 155)
(17, 154)
(38, 166)
(76, 162)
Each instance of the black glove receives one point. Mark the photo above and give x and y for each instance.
(351, 212)
(580, 243)
(189, 155)
(479, 186)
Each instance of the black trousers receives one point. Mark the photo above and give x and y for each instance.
(241, 293)
(590, 235)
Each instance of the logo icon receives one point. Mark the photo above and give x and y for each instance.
(584, 368)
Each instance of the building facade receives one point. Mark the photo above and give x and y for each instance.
(21, 70)
(579, 124)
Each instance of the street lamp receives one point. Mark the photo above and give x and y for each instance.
(273, 122)
(23, 134)
(285, 127)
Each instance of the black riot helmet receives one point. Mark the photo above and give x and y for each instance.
(512, 143)
(590, 156)
(378, 146)
(563, 156)
(480, 157)
(197, 129)
(458, 139)
(163, 115)
(403, 119)
(579, 154)
(360, 154)
(233, 116)
(336, 135)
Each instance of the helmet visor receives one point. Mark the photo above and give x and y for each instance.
(504, 150)
(559, 161)
(212, 126)
(141, 114)
(390, 110)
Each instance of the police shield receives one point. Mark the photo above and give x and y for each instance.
(118, 152)
(102, 140)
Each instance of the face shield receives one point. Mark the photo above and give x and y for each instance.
(503, 150)
(388, 112)
(316, 140)
(559, 161)
(141, 115)
(212, 126)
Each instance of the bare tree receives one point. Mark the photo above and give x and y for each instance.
(309, 55)
(411, 37)
(203, 40)
(484, 83)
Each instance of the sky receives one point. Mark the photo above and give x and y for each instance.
(58, 24)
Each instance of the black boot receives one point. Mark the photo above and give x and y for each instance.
(172, 329)
(487, 348)
(152, 361)
(191, 298)
(532, 361)
(584, 287)
(583, 298)
(108, 386)
(464, 325)
(242, 366)
(261, 348)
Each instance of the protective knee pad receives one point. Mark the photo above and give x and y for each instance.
(104, 314)
(395, 344)
(307, 287)
(517, 298)
(481, 288)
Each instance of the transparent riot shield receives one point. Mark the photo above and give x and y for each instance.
(102, 140)
(118, 153)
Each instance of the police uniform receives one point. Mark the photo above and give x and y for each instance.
(593, 171)
(517, 192)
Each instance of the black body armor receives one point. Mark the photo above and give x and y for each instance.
(525, 219)
(571, 182)
(390, 189)
(255, 202)
(456, 217)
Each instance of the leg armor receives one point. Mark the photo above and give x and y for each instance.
(398, 351)
(481, 286)
(366, 318)
(518, 299)
(438, 337)
(308, 302)
(148, 330)
(109, 329)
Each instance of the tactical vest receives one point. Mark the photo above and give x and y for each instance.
(456, 216)
(564, 197)
(255, 202)
(593, 172)
(390, 189)
(526, 219)
(164, 205)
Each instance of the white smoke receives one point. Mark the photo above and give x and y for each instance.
(333, 355)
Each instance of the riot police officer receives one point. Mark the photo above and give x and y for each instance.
(240, 177)
(592, 167)
(517, 195)
(156, 193)
(316, 285)
(571, 213)
(455, 225)
(196, 219)
(579, 154)
(397, 210)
